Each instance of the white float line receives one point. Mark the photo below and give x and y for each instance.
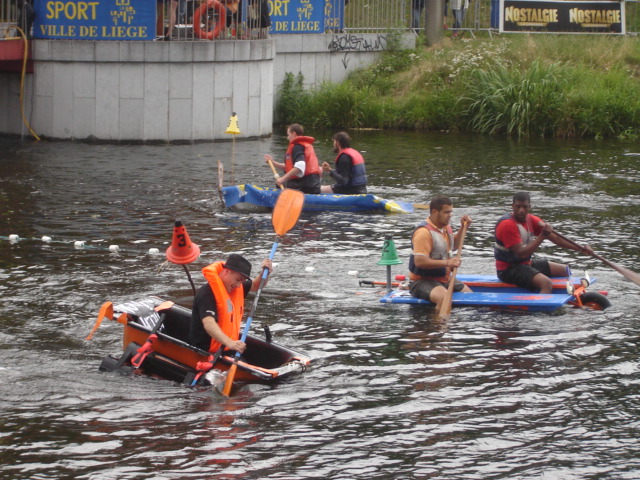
(78, 244)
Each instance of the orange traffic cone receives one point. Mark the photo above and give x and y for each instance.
(182, 250)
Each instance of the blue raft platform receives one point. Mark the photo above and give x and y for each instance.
(244, 195)
(490, 292)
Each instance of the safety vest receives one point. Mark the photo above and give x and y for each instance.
(358, 170)
(502, 253)
(229, 307)
(310, 159)
(442, 249)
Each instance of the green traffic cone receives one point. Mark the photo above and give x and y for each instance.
(389, 257)
(389, 253)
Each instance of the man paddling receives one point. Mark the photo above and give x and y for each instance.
(518, 235)
(219, 305)
(301, 168)
(349, 173)
(432, 260)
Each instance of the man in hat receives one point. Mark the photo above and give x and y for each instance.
(432, 260)
(219, 305)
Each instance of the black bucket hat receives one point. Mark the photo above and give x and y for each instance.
(239, 264)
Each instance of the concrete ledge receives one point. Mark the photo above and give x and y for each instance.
(181, 91)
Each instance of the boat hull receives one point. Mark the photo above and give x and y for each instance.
(251, 195)
(172, 358)
(490, 292)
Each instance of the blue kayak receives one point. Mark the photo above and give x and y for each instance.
(490, 292)
(244, 195)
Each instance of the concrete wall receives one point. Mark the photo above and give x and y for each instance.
(143, 91)
(171, 91)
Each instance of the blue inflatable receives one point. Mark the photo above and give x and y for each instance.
(266, 197)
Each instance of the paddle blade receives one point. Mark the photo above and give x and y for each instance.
(220, 179)
(445, 306)
(228, 384)
(625, 272)
(287, 210)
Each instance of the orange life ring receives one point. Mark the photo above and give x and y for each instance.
(217, 26)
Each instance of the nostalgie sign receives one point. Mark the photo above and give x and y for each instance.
(562, 16)
(95, 19)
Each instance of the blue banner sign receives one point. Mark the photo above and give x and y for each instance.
(334, 15)
(95, 19)
(297, 16)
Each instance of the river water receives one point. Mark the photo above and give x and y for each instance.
(393, 393)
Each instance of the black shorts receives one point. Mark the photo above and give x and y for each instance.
(422, 288)
(360, 189)
(303, 185)
(522, 275)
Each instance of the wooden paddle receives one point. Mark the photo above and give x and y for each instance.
(220, 180)
(275, 174)
(628, 274)
(445, 306)
(285, 215)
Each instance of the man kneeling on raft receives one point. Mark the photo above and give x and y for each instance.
(432, 260)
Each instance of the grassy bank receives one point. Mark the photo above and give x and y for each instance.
(519, 85)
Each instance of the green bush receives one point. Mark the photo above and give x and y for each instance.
(506, 100)
(521, 86)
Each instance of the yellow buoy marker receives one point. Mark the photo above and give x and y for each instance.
(233, 125)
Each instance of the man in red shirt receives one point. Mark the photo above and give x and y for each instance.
(518, 235)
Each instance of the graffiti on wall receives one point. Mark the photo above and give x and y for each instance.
(348, 43)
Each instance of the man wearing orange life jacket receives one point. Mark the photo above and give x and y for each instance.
(349, 172)
(219, 305)
(301, 168)
(432, 259)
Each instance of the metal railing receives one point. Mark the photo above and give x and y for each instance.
(175, 18)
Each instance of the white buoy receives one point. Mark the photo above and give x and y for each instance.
(78, 244)
(114, 248)
(353, 273)
(46, 239)
(309, 269)
(154, 251)
(13, 237)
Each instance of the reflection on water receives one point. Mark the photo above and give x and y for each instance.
(394, 392)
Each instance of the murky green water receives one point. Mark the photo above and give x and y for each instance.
(393, 393)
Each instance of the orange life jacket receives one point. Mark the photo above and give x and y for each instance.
(229, 307)
(310, 158)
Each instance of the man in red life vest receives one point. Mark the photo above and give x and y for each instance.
(219, 305)
(432, 259)
(301, 168)
(518, 235)
(349, 173)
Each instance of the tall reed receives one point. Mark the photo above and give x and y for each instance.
(520, 86)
